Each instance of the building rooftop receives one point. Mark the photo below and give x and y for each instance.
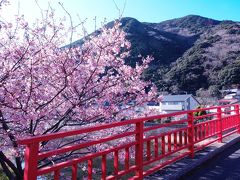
(176, 97)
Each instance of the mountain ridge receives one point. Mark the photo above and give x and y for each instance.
(190, 53)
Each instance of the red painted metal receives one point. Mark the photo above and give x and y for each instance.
(175, 140)
(90, 162)
(56, 174)
(154, 146)
(31, 161)
(104, 168)
(191, 134)
(163, 145)
(169, 142)
(127, 158)
(74, 172)
(148, 150)
(116, 162)
(219, 116)
(139, 149)
(238, 117)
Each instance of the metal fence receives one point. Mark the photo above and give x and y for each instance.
(155, 142)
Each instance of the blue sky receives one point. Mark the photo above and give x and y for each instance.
(143, 10)
(157, 10)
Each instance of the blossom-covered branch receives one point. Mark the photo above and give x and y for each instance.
(45, 88)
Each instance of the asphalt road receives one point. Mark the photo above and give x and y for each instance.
(223, 166)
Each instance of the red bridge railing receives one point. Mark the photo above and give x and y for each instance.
(153, 143)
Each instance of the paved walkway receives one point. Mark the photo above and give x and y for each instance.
(223, 166)
(217, 161)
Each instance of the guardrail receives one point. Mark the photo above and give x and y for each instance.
(154, 143)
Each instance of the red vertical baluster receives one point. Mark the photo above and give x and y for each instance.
(31, 161)
(175, 140)
(213, 132)
(90, 164)
(238, 117)
(191, 134)
(195, 133)
(207, 129)
(185, 137)
(219, 115)
(169, 143)
(180, 138)
(56, 174)
(156, 147)
(227, 123)
(214, 127)
(234, 121)
(163, 145)
(116, 162)
(204, 130)
(126, 158)
(139, 150)
(148, 150)
(224, 124)
(200, 131)
(210, 128)
(104, 169)
(74, 172)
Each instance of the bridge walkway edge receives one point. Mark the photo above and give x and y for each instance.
(178, 169)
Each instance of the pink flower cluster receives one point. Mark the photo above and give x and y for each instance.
(45, 88)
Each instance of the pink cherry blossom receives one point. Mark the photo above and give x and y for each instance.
(45, 88)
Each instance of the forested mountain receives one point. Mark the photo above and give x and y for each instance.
(189, 53)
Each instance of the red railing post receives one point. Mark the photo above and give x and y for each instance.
(191, 134)
(139, 150)
(220, 128)
(31, 161)
(238, 117)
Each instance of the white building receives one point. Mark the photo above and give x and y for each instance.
(175, 103)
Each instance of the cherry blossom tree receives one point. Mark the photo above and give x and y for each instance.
(46, 88)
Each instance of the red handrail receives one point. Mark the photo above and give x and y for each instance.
(153, 147)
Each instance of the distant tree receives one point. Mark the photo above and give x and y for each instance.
(208, 96)
(214, 91)
(230, 74)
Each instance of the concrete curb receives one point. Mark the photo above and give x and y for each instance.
(186, 165)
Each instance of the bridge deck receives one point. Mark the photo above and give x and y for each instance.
(226, 165)
(218, 161)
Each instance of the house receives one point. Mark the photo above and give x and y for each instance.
(175, 103)
(229, 91)
(232, 96)
(226, 101)
(155, 106)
